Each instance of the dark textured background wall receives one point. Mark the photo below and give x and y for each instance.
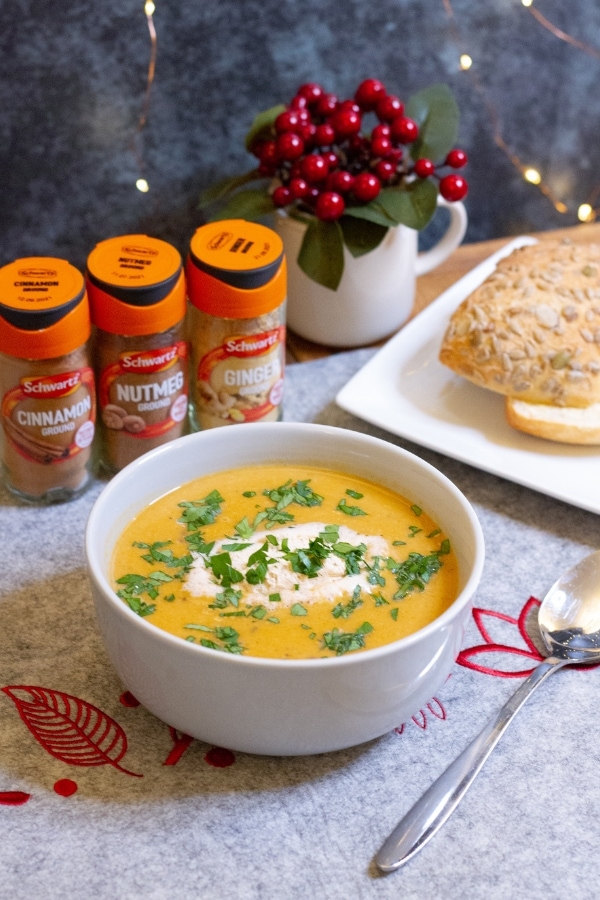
(73, 78)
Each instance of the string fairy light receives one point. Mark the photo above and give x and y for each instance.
(141, 182)
(586, 212)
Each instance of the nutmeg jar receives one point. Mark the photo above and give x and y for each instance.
(47, 387)
(236, 277)
(136, 287)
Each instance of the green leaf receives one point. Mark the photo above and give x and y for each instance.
(361, 236)
(371, 212)
(436, 112)
(321, 255)
(226, 186)
(413, 205)
(249, 205)
(262, 123)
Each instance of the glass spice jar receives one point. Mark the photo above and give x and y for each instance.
(136, 287)
(47, 387)
(236, 276)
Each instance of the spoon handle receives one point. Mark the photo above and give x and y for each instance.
(435, 806)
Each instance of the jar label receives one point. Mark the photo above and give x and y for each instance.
(50, 418)
(242, 379)
(145, 392)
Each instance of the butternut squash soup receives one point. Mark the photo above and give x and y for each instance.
(276, 562)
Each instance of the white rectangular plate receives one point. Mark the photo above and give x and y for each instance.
(405, 390)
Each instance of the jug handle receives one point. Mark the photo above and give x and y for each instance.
(429, 259)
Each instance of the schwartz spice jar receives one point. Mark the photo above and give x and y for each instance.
(136, 287)
(236, 275)
(46, 380)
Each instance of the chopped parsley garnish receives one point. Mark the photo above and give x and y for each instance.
(249, 494)
(228, 637)
(341, 642)
(435, 533)
(142, 584)
(416, 571)
(228, 597)
(139, 606)
(394, 613)
(298, 610)
(414, 529)
(344, 610)
(201, 512)
(354, 494)
(350, 510)
(157, 554)
(274, 598)
(416, 509)
(226, 575)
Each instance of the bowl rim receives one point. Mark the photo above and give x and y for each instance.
(97, 574)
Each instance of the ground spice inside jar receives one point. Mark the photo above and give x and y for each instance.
(136, 287)
(47, 387)
(236, 276)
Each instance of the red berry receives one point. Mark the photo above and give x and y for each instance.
(457, 159)
(424, 168)
(368, 93)
(348, 105)
(385, 170)
(395, 155)
(267, 152)
(297, 102)
(311, 92)
(267, 170)
(404, 130)
(380, 146)
(346, 122)
(281, 196)
(314, 168)
(453, 187)
(340, 181)
(287, 121)
(289, 146)
(331, 159)
(298, 188)
(324, 135)
(381, 130)
(307, 133)
(329, 206)
(366, 187)
(388, 108)
(326, 105)
(304, 116)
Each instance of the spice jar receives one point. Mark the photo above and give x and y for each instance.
(236, 275)
(46, 380)
(136, 287)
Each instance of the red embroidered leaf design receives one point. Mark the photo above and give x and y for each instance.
(484, 619)
(13, 798)
(70, 729)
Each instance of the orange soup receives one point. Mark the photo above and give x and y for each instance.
(285, 562)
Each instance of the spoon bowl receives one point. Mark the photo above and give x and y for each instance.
(569, 622)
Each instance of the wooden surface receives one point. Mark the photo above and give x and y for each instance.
(433, 284)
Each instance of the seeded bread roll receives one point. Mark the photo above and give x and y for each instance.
(566, 424)
(531, 331)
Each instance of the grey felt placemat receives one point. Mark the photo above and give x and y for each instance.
(181, 819)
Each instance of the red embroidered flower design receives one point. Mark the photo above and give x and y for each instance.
(434, 708)
(498, 657)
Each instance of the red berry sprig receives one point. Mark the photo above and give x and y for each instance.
(325, 161)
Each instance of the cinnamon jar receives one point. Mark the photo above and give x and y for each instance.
(47, 387)
(236, 278)
(136, 287)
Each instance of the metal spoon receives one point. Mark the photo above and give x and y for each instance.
(569, 622)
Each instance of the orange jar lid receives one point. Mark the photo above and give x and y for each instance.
(136, 285)
(236, 269)
(44, 310)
